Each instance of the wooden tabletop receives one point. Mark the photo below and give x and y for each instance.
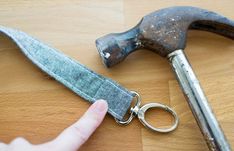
(36, 107)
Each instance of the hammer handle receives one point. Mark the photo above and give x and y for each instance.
(198, 103)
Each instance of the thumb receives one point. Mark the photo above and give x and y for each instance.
(74, 136)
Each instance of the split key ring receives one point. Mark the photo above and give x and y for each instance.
(138, 111)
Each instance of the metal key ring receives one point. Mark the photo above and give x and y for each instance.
(138, 111)
(141, 117)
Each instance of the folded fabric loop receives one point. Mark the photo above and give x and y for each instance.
(81, 80)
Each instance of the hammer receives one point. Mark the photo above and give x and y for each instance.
(164, 32)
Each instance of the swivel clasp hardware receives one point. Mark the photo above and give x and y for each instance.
(138, 111)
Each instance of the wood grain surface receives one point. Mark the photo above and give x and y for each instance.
(34, 106)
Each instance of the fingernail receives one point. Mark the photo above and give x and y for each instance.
(100, 106)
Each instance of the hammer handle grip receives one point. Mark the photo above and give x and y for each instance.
(198, 103)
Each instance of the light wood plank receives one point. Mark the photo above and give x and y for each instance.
(38, 108)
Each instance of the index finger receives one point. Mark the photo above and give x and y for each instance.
(75, 135)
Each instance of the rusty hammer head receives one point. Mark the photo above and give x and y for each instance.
(163, 32)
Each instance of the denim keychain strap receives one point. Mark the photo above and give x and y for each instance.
(84, 82)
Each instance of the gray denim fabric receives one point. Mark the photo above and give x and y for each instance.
(84, 82)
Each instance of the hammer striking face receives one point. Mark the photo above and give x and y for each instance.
(164, 32)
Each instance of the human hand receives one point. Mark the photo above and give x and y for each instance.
(71, 138)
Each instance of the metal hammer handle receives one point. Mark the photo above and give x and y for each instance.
(164, 32)
(198, 103)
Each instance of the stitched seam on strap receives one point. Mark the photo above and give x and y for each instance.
(59, 78)
(37, 41)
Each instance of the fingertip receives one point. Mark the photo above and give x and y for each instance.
(101, 105)
(74, 136)
(98, 107)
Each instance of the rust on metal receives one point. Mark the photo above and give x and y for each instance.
(163, 32)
